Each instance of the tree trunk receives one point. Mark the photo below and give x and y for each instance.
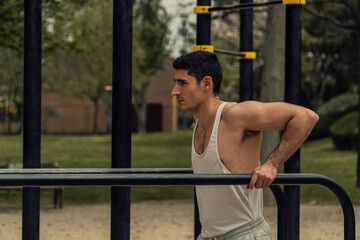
(140, 105)
(358, 140)
(142, 118)
(96, 117)
(272, 80)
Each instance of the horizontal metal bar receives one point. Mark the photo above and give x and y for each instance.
(238, 54)
(158, 176)
(94, 170)
(244, 6)
(140, 176)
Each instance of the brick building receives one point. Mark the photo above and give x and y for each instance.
(65, 115)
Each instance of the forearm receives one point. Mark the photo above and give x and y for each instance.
(295, 134)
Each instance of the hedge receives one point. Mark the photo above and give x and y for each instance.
(344, 132)
(333, 110)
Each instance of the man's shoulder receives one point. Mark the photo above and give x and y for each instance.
(233, 108)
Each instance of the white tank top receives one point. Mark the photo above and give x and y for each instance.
(222, 208)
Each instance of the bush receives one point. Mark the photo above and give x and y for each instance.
(333, 110)
(345, 131)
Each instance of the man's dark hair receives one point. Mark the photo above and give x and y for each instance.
(200, 64)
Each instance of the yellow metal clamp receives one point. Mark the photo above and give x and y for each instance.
(208, 48)
(248, 55)
(202, 10)
(298, 2)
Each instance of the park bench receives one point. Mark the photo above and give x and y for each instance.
(58, 190)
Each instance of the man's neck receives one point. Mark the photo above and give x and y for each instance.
(205, 113)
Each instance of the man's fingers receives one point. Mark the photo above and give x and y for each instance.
(253, 181)
(259, 182)
(267, 182)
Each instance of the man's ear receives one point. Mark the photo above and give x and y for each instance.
(207, 83)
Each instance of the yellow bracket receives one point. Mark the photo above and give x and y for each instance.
(248, 55)
(208, 48)
(294, 2)
(202, 10)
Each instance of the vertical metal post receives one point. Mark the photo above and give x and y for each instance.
(246, 44)
(203, 37)
(197, 224)
(292, 95)
(121, 119)
(32, 115)
(203, 25)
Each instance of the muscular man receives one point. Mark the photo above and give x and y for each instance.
(226, 140)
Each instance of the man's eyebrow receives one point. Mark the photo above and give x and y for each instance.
(179, 80)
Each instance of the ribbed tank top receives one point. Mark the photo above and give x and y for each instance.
(222, 208)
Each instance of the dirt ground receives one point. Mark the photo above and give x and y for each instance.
(158, 220)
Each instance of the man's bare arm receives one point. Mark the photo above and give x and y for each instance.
(297, 129)
(295, 120)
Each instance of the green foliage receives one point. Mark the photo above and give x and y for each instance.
(55, 16)
(333, 110)
(330, 50)
(150, 33)
(150, 36)
(12, 25)
(344, 132)
(11, 77)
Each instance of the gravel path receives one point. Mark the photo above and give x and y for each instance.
(158, 220)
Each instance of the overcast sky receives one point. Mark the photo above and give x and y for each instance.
(173, 7)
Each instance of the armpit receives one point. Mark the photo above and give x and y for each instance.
(249, 133)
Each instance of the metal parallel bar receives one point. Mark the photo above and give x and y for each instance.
(239, 54)
(246, 45)
(27, 178)
(96, 170)
(121, 112)
(32, 115)
(282, 211)
(293, 95)
(129, 179)
(244, 5)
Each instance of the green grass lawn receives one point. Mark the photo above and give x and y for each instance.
(166, 150)
(322, 158)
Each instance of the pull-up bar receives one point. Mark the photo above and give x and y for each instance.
(239, 55)
(209, 10)
(232, 53)
(245, 6)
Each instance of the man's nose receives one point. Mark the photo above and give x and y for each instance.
(175, 91)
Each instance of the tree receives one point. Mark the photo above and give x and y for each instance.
(11, 86)
(328, 51)
(342, 16)
(272, 76)
(83, 66)
(150, 38)
(272, 80)
(12, 25)
(55, 15)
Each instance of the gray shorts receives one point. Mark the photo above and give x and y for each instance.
(257, 229)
